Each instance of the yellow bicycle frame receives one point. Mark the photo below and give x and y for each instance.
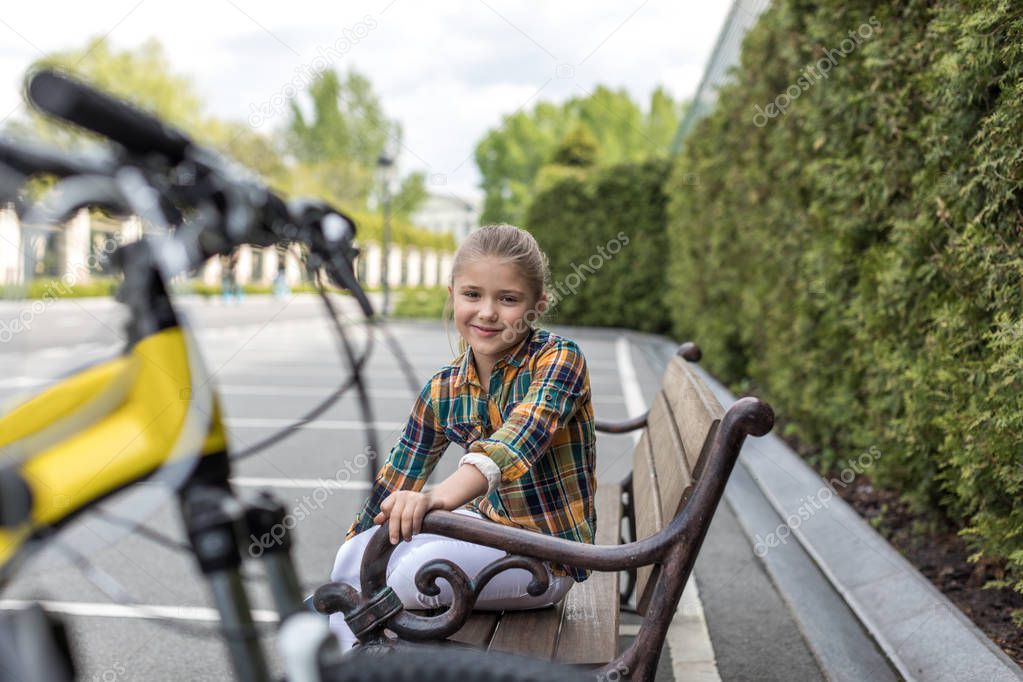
(108, 426)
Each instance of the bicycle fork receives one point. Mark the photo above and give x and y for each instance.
(217, 523)
(212, 518)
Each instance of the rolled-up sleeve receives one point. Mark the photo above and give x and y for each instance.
(558, 382)
(410, 462)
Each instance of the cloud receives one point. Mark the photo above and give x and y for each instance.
(448, 71)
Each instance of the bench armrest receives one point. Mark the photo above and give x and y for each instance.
(623, 426)
(688, 350)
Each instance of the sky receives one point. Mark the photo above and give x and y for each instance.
(448, 71)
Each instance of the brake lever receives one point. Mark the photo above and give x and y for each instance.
(329, 233)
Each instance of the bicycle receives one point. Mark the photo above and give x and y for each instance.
(168, 413)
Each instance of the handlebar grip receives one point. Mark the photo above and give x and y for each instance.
(60, 95)
(29, 160)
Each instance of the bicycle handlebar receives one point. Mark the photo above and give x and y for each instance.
(31, 159)
(234, 207)
(137, 131)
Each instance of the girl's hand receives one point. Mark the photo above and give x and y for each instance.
(405, 509)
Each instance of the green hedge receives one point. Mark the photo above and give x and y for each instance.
(55, 287)
(605, 239)
(369, 227)
(857, 258)
(420, 302)
(199, 288)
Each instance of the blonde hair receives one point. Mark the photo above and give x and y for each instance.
(512, 246)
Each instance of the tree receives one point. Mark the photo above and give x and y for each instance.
(579, 148)
(329, 152)
(346, 122)
(339, 141)
(411, 193)
(574, 157)
(145, 78)
(337, 144)
(142, 76)
(510, 157)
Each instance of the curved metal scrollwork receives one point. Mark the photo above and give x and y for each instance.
(537, 586)
(369, 612)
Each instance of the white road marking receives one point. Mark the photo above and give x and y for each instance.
(312, 483)
(324, 391)
(317, 391)
(319, 424)
(692, 653)
(633, 394)
(146, 611)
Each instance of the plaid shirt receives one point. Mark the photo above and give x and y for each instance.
(544, 442)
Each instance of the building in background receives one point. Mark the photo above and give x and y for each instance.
(447, 212)
(76, 252)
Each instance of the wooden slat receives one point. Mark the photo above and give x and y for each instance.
(694, 413)
(670, 465)
(589, 624)
(608, 506)
(478, 630)
(529, 633)
(709, 399)
(715, 409)
(646, 501)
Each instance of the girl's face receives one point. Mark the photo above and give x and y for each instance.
(491, 301)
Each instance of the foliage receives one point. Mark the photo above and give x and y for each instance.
(421, 302)
(511, 156)
(342, 137)
(857, 257)
(574, 157)
(143, 77)
(579, 148)
(411, 193)
(341, 140)
(370, 228)
(48, 288)
(212, 290)
(333, 151)
(605, 240)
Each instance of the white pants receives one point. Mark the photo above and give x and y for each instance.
(506, 591)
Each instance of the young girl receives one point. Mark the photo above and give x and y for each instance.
(518, 400)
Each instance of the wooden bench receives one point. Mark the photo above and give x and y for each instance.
(686, 451)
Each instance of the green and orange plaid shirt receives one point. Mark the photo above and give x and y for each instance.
(535, 422)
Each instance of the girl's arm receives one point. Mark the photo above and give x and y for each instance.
(405, 509)
(409, 462)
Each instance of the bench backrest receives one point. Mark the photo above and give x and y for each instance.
(669, 455)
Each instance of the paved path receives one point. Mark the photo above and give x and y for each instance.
(273, 360)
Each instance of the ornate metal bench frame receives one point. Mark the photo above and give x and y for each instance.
(375, 607)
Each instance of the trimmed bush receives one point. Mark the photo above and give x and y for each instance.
(853, 251)
(421, 302)
(605, 239)
(55, 287)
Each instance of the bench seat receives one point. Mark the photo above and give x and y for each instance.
(582, 629)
